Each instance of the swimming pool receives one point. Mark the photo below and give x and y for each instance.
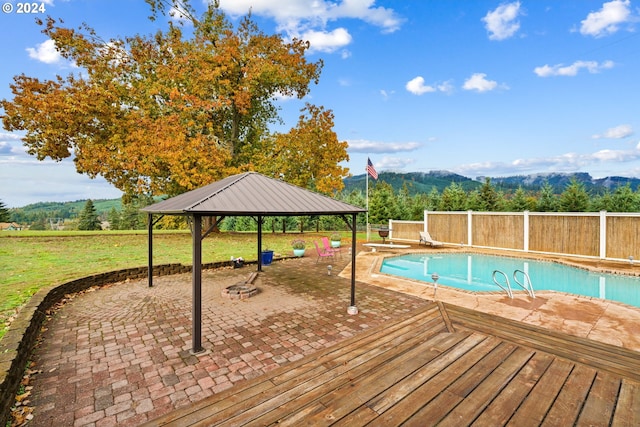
(474, 272)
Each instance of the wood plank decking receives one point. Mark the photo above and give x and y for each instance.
(441, 365)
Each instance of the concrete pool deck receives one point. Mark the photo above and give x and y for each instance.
(596, 319)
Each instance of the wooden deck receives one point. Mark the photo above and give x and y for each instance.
(442, 365)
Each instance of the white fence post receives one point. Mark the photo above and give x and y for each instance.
(526, 231)
(470, 227)
(426, 221)
(603, 234)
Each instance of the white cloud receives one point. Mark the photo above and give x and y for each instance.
(308, 19)
(45, 52)
(364, 9)
(322, 41)
(617, 132)
(606, 20)
(366, 146)
(573, 69)
(393, 163)
(417, 86)
(289, 13)
(567, 162)
(610, 155)
(502, 22)
(479, 83)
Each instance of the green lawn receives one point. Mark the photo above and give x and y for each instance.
(30, 260)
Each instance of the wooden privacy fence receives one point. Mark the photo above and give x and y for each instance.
(591, 234)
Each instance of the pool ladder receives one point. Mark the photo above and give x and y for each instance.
(527, 286)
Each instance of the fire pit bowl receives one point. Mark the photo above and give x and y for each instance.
(239, 291)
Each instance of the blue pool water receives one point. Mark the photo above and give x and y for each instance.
(474, 272)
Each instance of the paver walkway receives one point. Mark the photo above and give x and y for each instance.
(121, 355)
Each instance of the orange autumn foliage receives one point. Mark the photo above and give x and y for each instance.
(166, 113)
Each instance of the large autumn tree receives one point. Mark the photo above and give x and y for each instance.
(166, 113)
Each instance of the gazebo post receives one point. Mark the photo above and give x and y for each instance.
(352, 308)
(259, 242)
(196, 270)
(150, 247)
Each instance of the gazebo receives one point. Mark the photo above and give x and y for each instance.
(247, 194)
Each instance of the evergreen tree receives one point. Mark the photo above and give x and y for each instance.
(5, 215)
(419, 204)
(453, 198)
(356, 198)
(114, 219)
(602, 202)
(434, 199)
(473, 201)
(404, 202)
(382, 204)
(130, 217)
(625, 200)
(89, 218)
(488, 197)
(574, 198)
(547, 201)
(520, 202)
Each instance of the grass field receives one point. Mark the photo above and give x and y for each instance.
(31, 260)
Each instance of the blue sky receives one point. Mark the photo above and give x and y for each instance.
(480, 88)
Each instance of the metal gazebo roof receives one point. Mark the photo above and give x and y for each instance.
(246, 194)
(252, 194)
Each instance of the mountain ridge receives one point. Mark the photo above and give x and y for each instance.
(440, 179)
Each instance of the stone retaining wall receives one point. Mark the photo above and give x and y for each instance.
(18, 342)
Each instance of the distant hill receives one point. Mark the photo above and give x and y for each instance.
(61, 210)
(421, 182)
(417, 182)
(559, 181)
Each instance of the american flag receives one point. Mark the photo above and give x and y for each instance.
(371, 170)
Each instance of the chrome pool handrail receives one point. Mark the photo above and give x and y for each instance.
(507, 289)
(528, 287)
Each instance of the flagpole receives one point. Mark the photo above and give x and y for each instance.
(366, 172)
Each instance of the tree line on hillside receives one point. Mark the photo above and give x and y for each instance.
(68, 216)
(386, 203)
